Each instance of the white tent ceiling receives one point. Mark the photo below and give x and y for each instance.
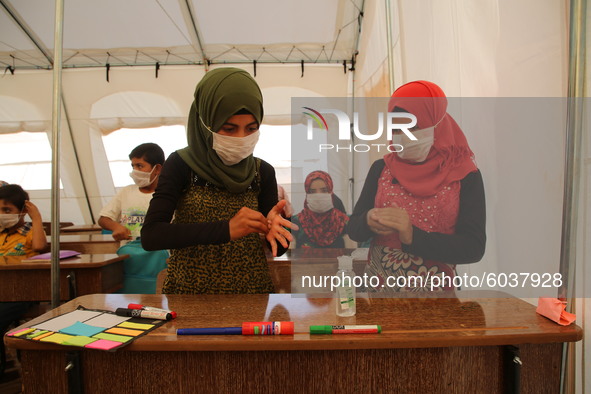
(144, 32)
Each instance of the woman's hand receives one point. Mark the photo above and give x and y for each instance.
(276, 225)
(383, 221)
(373, 216)
(247, 221)
(397, 219)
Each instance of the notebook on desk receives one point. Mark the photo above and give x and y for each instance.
(64, 254)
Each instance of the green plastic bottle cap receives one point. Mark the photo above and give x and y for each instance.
(320, 329)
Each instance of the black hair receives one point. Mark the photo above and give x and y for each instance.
(15, 195)
(150, 152)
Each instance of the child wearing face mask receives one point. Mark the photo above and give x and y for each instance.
(423, 207)
(124, 214)
(18, 238)
(323, 221)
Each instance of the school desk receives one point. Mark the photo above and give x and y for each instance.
(86, 274)
(88, 243)
(458, 345)
(287, 270)
(80, 229)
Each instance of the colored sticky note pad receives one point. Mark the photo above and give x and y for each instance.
(21, 332)
(79, 341)
(36, 333)
(139, 326)
(56, 338)
(124, 331)
(40, 337)
(82, 329)
(103, 344)
(112, 337)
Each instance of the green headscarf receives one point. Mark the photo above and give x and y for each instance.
(218, 96)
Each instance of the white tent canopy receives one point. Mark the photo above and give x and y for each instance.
(139, 32)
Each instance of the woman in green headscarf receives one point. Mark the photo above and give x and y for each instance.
(221, 196)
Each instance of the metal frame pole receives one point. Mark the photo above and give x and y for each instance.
(55, 162)
(389, 42)
(572, 174)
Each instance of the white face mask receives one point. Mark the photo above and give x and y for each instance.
(142, 179)
(232, 150)
(418, 150)
(8, 220)
(319, 202)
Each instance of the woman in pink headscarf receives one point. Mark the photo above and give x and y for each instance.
(423, 207)
(323, 220)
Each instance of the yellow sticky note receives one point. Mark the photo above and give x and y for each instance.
(23, 332)
(124, 331)
(57, 338)
(139, 326)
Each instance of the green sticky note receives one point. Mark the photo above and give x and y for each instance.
(36, 333)
(113, 337)
(79, 341)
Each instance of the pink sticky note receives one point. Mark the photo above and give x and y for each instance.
(103, 344)
(16, 332)
(554, 309)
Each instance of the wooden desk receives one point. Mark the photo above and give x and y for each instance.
(286, 270)
(427, 345)
(27, 281)
(81, 229)
(88, 243)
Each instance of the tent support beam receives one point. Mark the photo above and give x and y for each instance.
(191, 22)
(389, 43)
(55, 168)
(75, 149)
(23, 26)
(572, 175)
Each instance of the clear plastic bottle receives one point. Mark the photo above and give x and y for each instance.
(346, 302)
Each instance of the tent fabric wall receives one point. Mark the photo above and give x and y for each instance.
(493, 48)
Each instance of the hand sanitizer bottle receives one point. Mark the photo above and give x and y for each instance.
(345, 297)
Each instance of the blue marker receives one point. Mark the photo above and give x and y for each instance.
(210, 331)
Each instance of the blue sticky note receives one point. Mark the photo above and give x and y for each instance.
(82, 329)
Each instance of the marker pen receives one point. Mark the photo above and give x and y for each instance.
(160, 315)
(370, 329)
(248, 328)
(151, 308)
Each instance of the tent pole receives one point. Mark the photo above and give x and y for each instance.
(572, 174)
(55, 173)
(389, 43)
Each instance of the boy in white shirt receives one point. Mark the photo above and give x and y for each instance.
(124, 215)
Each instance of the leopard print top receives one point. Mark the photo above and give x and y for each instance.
(233, 267)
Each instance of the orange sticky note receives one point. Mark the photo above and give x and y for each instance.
(124, 331)
(554, 309)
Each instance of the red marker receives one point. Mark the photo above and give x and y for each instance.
(151, 308)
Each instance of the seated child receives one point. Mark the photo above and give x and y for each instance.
(18, 238)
